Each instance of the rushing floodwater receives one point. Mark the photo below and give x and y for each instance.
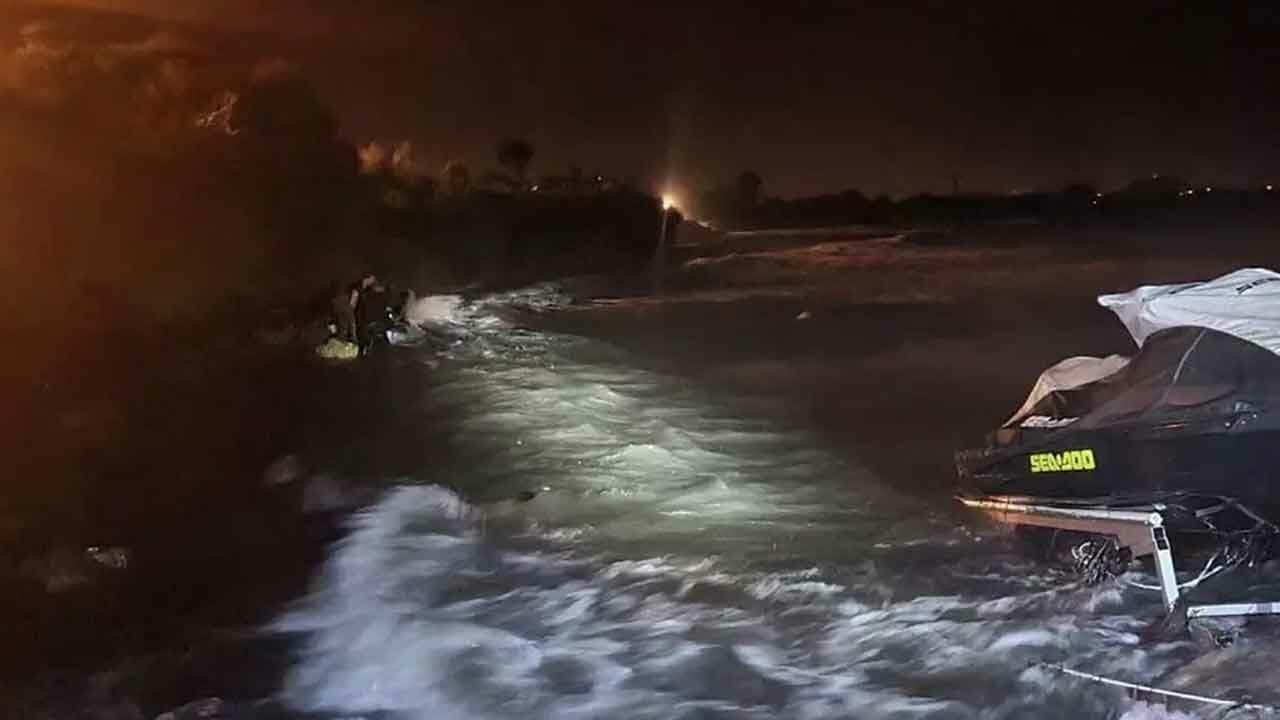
(686, 556)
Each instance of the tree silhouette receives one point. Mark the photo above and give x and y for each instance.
(283, 108)
(457, 177)
(515, 155)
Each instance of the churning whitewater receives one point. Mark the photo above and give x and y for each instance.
(684, 554)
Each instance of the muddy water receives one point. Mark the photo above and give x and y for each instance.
(736, 513)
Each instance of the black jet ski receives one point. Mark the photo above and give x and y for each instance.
(1193, 418)
(1188, 427)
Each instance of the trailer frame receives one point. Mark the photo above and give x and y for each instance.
(1142, 530)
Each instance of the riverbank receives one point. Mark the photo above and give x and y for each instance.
(147, 528)
(152, 446)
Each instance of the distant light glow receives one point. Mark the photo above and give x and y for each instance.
(668, 201)
(1269, 188)
(1208, 189)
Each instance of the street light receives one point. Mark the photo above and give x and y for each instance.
(660, 253)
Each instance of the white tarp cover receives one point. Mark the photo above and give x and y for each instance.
(1070, 373)
(1245, 303)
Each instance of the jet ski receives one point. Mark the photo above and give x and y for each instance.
(1187, 427)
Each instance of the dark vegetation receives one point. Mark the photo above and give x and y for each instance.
(1153, 201)
(141, 187)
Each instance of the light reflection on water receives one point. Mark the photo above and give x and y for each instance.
(680, 560)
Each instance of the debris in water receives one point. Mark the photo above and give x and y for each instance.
(336, 349)
(114, 557)
(284, 470)
(206, 709)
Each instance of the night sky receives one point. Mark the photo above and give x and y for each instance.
(815, 96)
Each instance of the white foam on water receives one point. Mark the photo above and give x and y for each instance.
(680, 560)
(420, 614)
(1151, 711)
(433, 310)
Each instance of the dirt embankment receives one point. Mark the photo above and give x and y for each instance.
(138, 541)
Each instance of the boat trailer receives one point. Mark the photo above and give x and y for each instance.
(1143, 530)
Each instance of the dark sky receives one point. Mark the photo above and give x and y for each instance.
(894, 97)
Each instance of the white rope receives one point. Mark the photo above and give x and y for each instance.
(1157, 691)
(1207, 572)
